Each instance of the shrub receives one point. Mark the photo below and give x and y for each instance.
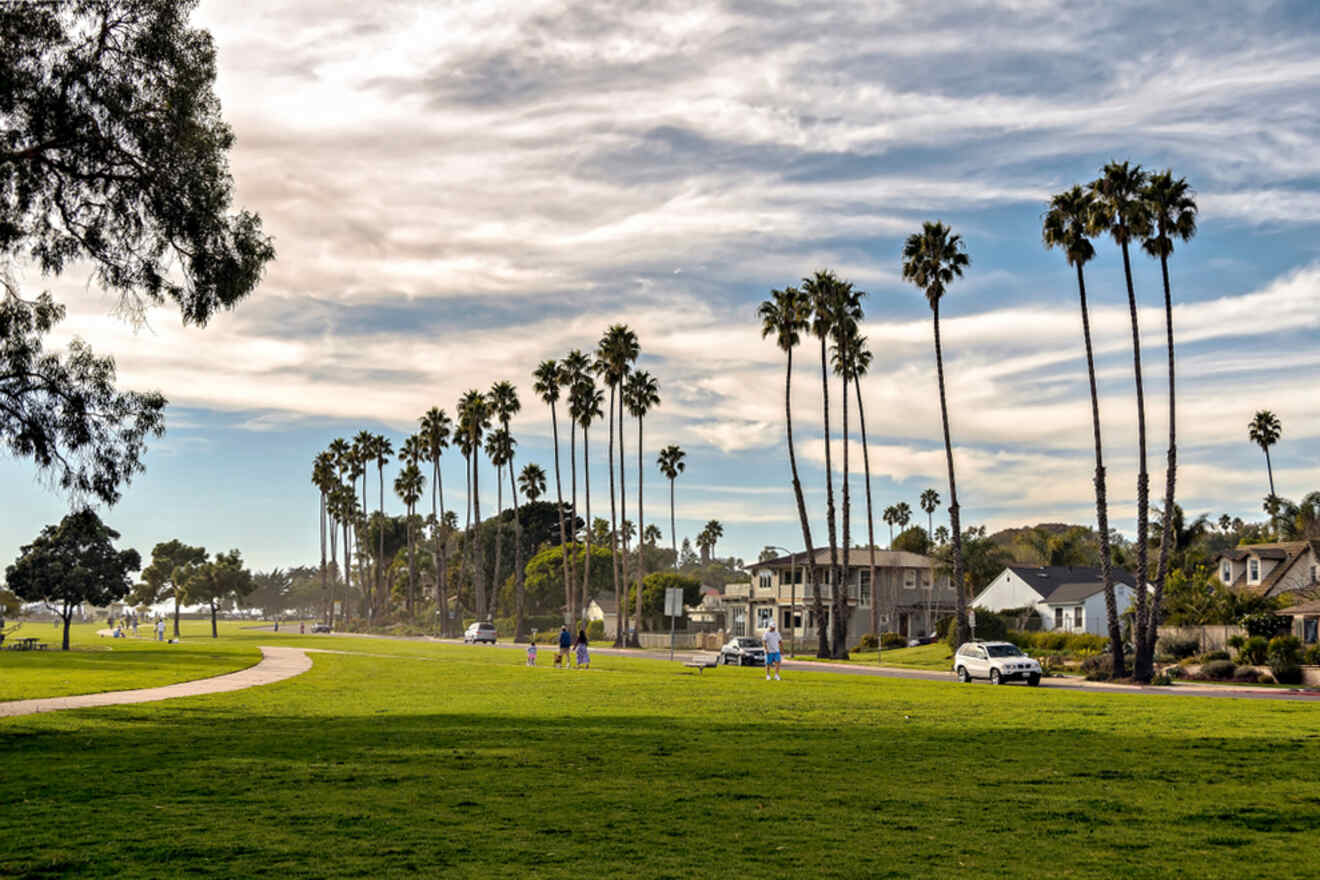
(1235, 641)
(1266, 678)
(1253, 650)
(867, 642)
(1285, 649)
(1312, 656)
(990, 626)
(1246, 674)
(1266, 624)
(1051, 641)
(1162, 679)
(1219, 670)
(1287, 673)
(892, 640)
(942, 627)
(1210, 656)
(595, 630)
(1179, 648)
(1176, 672)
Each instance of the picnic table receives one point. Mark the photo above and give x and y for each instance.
(27, 643)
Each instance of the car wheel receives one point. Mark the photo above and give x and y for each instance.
(962, 675)
(1033, 680)
(994, 677)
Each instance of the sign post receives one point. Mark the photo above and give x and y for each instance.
(674, 608)
(971, 621)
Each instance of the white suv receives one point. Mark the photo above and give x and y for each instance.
(997, 661)
(481, 631)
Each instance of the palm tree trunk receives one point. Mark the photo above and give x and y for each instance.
(483, 600)
(519, 610)
(1269, 469)
(411, 566)
(624, 616)
(1101, 505)
(819, 607)
(673, 529)
(641, 544)
(380, 555)
(586, 478)
(1170, 475)
(348, 567)
(621, 612)
(176, 611)
(960, 598)
(1141, 667)
(497, 585)
(324, 572)
(441, 562)
(467, 536)
(841, 596)
(870, 519)
(570, 587)
(559, 508)
(823, 634)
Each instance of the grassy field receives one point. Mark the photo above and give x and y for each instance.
(461, 761)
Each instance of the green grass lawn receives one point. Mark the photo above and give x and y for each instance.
(936, 656)
(460, 762)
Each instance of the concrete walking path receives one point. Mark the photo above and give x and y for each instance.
(276, 664)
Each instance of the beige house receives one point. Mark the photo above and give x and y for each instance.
(907, 596)
(606, 610)
(1271, 569)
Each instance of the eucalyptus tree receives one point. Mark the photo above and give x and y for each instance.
(1067, 224)
(671, 465)
(323, 478)
(409, 486)
(641, 394)
(435, 428)
(585, 401)
(786, 316)
(932, 259)
(856, 366)
(615, 353)
(474, 421)
(574, 369)
(822, 292)
(532, 482)
(505, 403)
(1122, 212)
(546, 384)
(1172, 206)
(1265, 430)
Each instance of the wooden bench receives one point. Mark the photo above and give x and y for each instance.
(702, 662)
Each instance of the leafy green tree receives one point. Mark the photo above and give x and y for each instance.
(270, 591)
(913, 540)
(1068, 224)
(158, 582)
(653, 595)
(1122, 212)
(73, 563)
(223, 581)
(932, 259)
(545, 576)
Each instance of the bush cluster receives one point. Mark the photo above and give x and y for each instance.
(867, 642)
(1312, 656)
(1253, 650)
(892, 640)
(1219, 670)
(1058, 642)
(1178, 648)
(1246, 674)
(1285, 659)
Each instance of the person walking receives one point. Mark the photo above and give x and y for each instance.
(583, 655)
(565, 642)
(772, 655)
(531, 653)
(160, 630)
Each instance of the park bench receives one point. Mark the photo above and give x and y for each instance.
(702, 662)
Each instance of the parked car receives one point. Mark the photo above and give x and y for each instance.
(743, 651)
(320, 627)
(923, 640)
(997, 661)
(481, 631)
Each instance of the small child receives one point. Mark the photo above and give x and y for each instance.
(531, 654)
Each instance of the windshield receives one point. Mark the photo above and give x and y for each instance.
(749, 643)
(1003, 651)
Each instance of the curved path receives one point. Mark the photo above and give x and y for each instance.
(276, 664)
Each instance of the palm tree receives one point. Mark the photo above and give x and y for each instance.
(499, 449)
(615, 354)
(859, 362)
(902, 515)
(714, 531)
(821, 291)
(786, 316)
(930, 499)
(474, 420)
(1265, 430)
(381, 450)
(409, 486)
(435, 428)
(573, 370)
(323, 478)
(585, 401)
(532, 482)
(671, 465)
(932, 259)
(546, 383)
(504, 401)
(1173, 206)
(847, 314)
(641, 395)
(942, 535)
(652, 535)
(890, 516)
(1121, 212)
(1066, 226)
(344, 458)
(362, 446)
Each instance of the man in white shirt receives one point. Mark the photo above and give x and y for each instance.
(772, 655)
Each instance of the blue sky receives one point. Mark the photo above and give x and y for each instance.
(459, 193)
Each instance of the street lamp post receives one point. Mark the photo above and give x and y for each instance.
(792, 593)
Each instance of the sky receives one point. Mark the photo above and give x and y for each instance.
(459, 191)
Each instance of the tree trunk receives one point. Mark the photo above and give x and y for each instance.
(641, 544)
(959, 592)
(1141, 666)
(841, 610)
(483, 600)
(519, 619)
(348, 562)
(411, 564)
(823, 649)
(497, 585)
(1170, 476)
(380, 602)
(1269, 469)
(621, 611)
(559, 509)
(467, 536)
(68, 619)
(673, 529)
(441, 562)
(215, 633)
(176, 611)
(324, 586)
(624, 612)
(801, 502)
(1101, 505)
(870, 518)
(586, 478)
(569, 586)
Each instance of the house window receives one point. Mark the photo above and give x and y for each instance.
(1077, 618)
(864, 579)
(1310, 629)
(1253, 571)
(925, 578)
(739, 622)
(765, 615)
(791, 620)
(1226, 572)
(1058, 618)
(766, 580)
(909, 578)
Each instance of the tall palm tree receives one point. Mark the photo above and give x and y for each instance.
(474, 421)
(1265, 430)
(532, 482)
(1066, 226)
(323, 478)
(932, 259)
(1122, 212)
(435, 428)
(573, 370)
(821, 291)
(381, 450)
(409, 486)
(1172, 204)
(504, 400)
(652, 536)
(786, 316)
(857, 365)
(344, 507)
(641, 394)
(343, 455)
(671, 465)
(902, 515)
(714, 530)
(890, 516)
(363, 443)
(546, 383)
(847, 315)
(615, 354)
(930, 499)
(585, 403)
(499, 449)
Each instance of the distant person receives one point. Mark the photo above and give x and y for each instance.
(531, 653)
(580, 646)
(565, 642)
(302, 628)
(277, 625)
(135, 631)
(160, 630)
(772, 656)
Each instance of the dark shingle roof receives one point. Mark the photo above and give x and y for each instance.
(1068, 583)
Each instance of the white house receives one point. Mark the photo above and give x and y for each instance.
(1070, 598)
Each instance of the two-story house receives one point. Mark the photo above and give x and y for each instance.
(907, 596)
(1271, 569)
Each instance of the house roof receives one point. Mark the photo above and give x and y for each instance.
(1287, 551)
(858, 557)
(1311, 606)
(1068, 583)
(606, 603)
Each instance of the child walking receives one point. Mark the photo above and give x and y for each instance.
(580, 646)
(531, 653)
